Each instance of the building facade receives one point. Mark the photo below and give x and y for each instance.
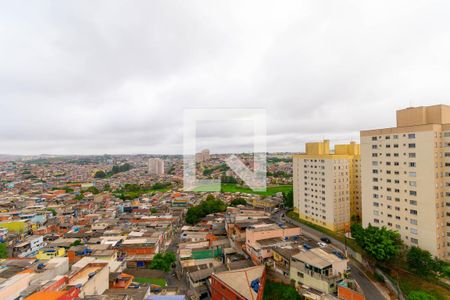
(327, 185)
(317, 269)
(406, 178)
(156, 166)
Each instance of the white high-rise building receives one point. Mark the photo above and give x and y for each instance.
(156, 166)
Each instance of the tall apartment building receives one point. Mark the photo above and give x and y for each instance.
(406, 177)
(156, 166)
(202, 156)
(327, 185)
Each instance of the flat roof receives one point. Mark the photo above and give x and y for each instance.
(317, 258)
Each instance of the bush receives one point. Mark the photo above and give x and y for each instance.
(422, 262)
(279, 291)
(378, 277)
(238, 201)
(420, 295)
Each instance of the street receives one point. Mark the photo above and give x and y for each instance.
(371, 292)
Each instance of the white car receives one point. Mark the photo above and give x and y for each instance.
(321, 244)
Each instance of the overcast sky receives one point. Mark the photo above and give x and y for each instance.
(94, 77)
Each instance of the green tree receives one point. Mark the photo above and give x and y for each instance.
(228, 179)
(422, 262)
(238, 201)
(100, 174)
(161, 185)
(3, 250)
(93, 190)
(288, 199)
(206, 207)
(76, 243)
(52, 210)
(381, 244)
(163, 261)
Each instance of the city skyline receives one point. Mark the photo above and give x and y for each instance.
(117, 80)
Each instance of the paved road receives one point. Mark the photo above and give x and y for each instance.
(371, 292)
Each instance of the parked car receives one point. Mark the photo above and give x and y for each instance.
(325, 240)
(321, 244)
(307, 246)
(338, 254)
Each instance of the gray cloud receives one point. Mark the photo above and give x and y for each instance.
(115, 76)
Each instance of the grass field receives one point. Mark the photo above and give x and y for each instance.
(158, 281)
(233, 188)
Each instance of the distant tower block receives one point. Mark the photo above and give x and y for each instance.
(202, 156)
(156, 166)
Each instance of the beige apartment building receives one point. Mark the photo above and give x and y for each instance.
(327, 185)
(406, 177)
(156, 166)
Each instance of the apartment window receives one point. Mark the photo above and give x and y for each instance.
(300, 274)
(411, 136)
(412, 145)
(376, 204)
(413, 221)
(412, 183)
(374, 147)
(374, 138)
(414, 241)
(413, 193)
(395, 136)
(413, 212)
(447, 134)
(411, 155)
(413, 202)
(412, 174)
